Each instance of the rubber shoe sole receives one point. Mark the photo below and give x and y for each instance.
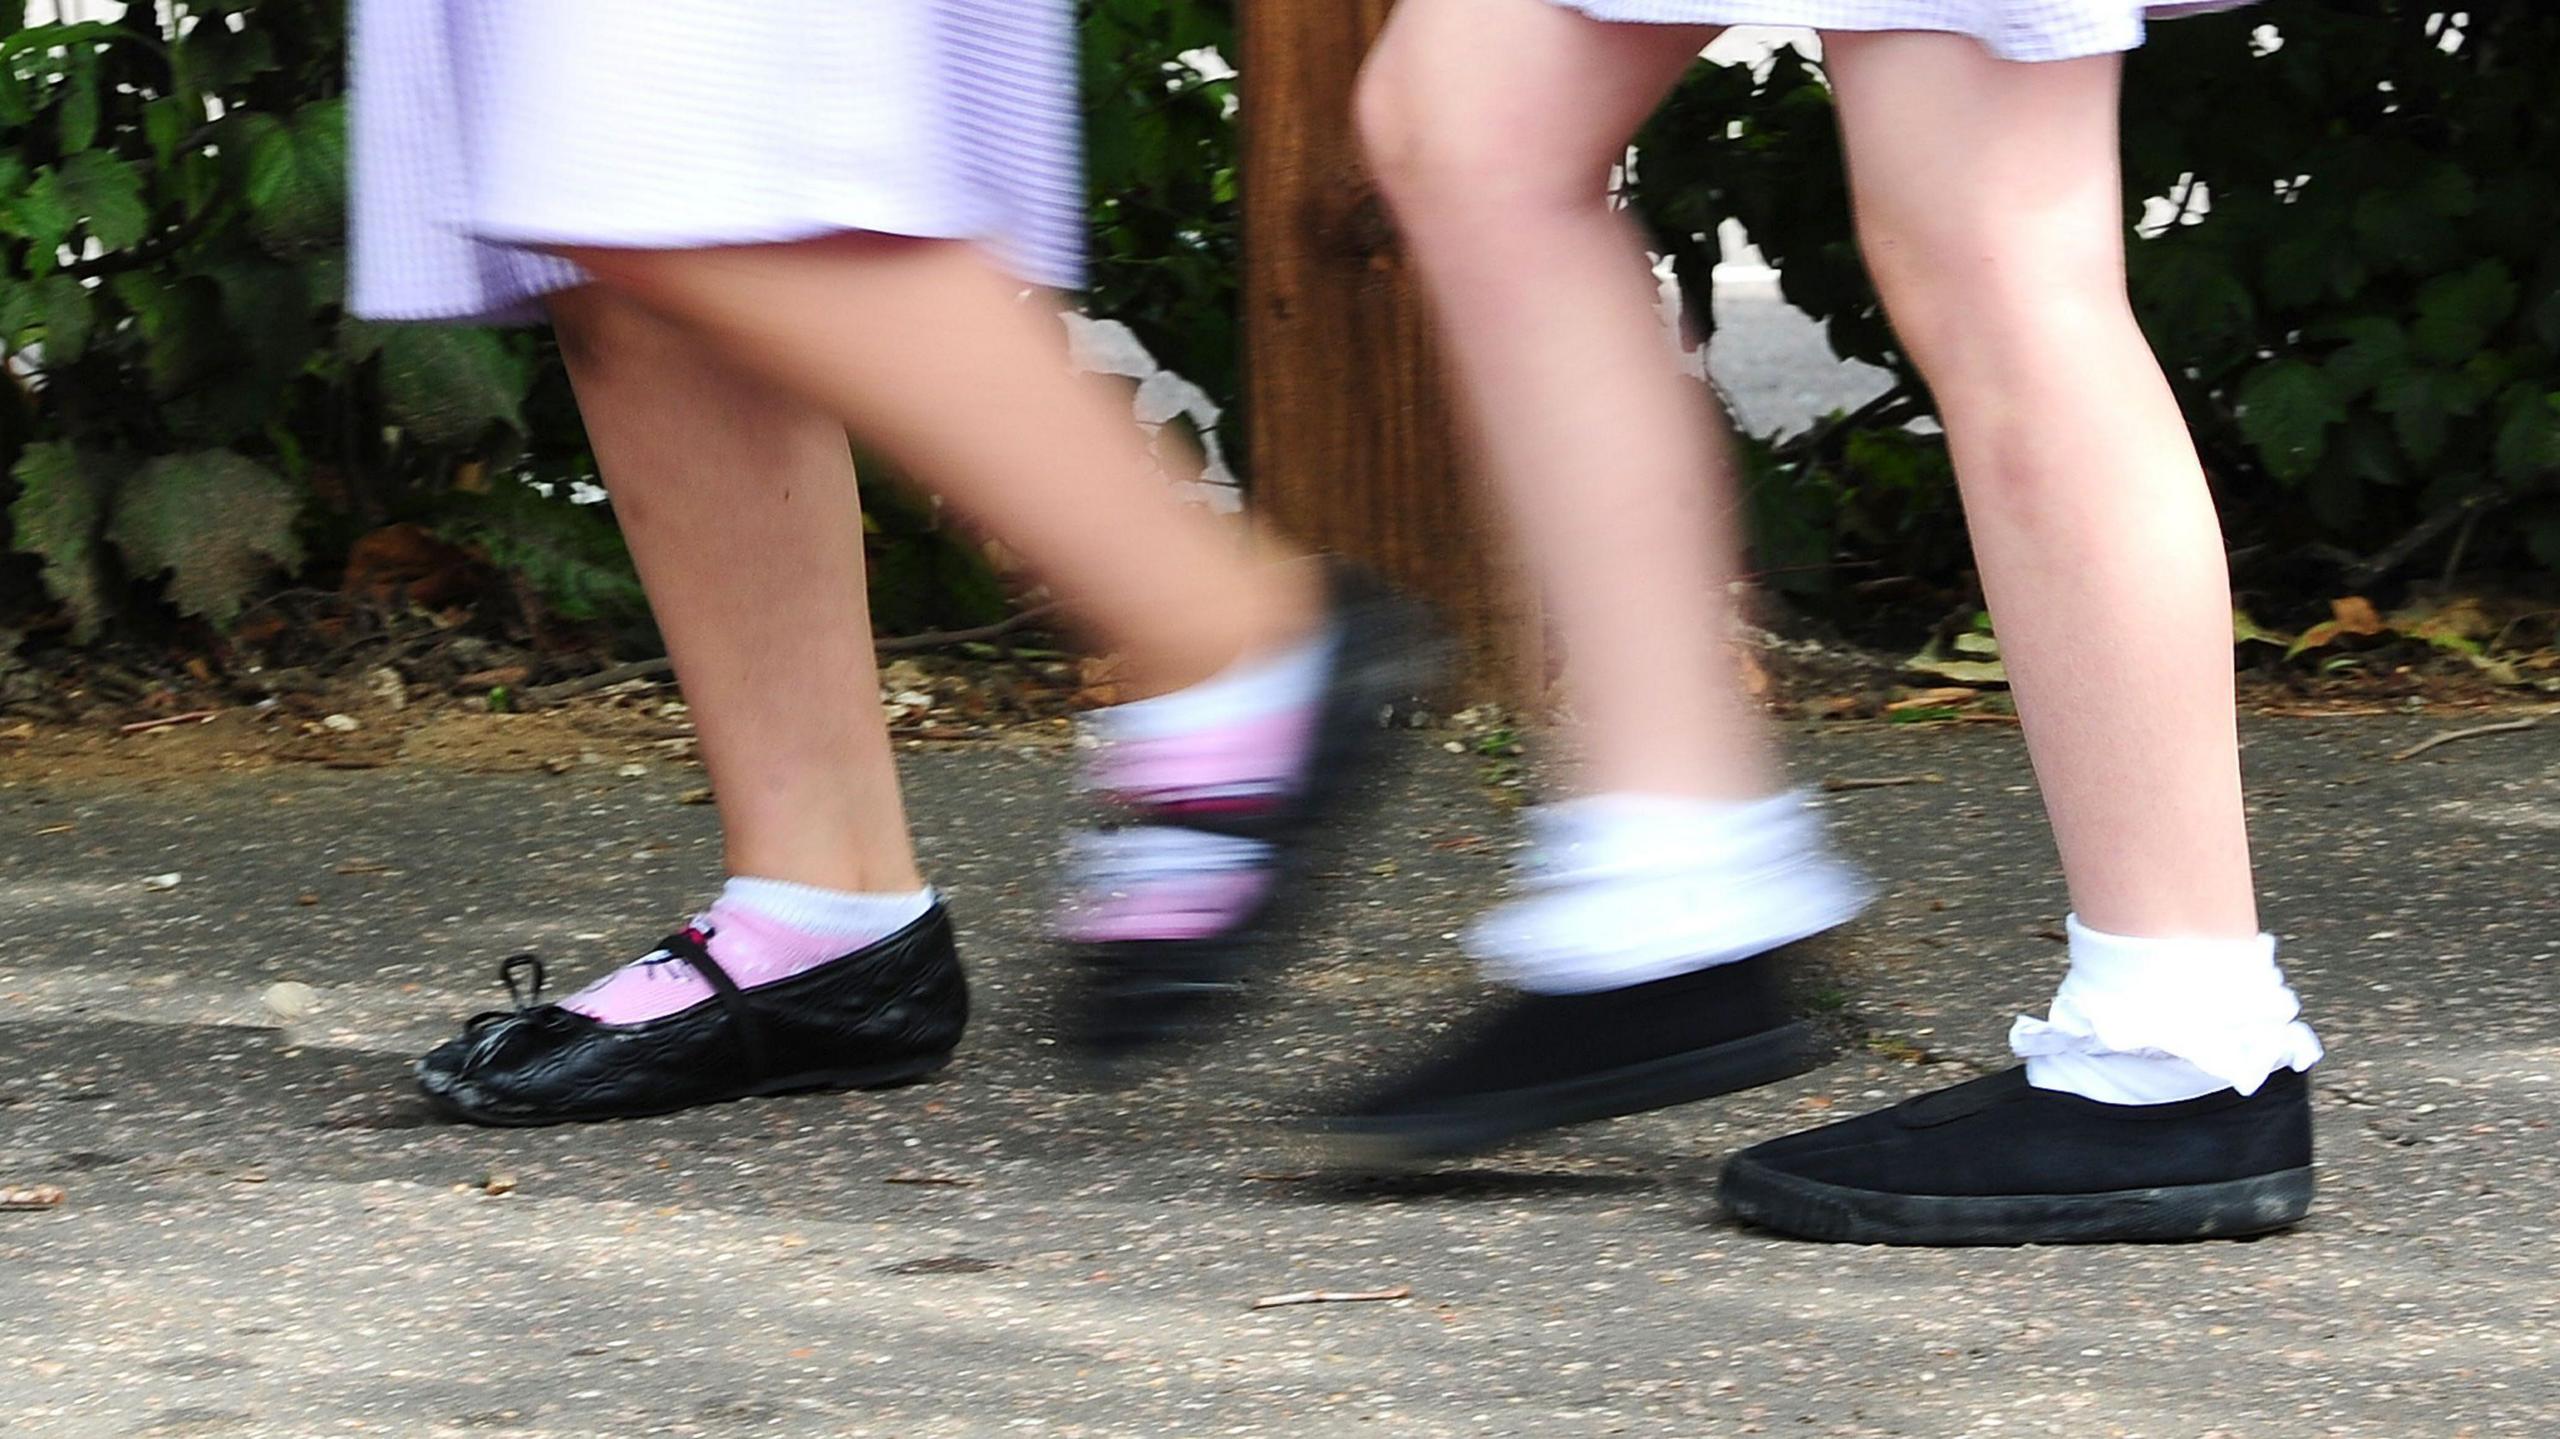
(1385, 1144)
(1810, 1209)
(879, 1076)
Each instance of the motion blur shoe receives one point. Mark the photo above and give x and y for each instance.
(1542, 1061)
(1998, 1161)
(886, 1014)
(1221, 796)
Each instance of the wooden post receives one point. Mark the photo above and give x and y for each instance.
(1351, 438)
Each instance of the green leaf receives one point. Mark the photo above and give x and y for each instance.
(215, 522)
(2457, 313)
(217, 58)
(449, 385)
(106, 193)
(62, 307)
(2528, 445)
(44, 215)
(180, 318)
(2375, 348)
(166, 123)
(2422, 405)
(60, 508)
(2286, 409)
(2411, 224)
(76, 113)
(297, 180)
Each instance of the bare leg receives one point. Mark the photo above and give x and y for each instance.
(1991, 212)
(738, 503)
(925, 350)
(1492, 125)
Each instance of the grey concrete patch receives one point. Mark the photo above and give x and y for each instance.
(267, 1236)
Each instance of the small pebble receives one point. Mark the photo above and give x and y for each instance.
(291, 999)
(341, 724)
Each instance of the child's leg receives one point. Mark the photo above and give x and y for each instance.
(1265, 679)
(1492, 125)
(738, 503)
(1990, 210)
(928, 352)
(1992, 215)
(1648, 944)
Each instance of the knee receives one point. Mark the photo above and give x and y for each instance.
(1445, 144)
(1996, 303)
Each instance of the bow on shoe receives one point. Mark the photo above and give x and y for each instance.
(524, 977)
(526, 991)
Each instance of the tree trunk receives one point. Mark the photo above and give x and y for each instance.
(1352, 442)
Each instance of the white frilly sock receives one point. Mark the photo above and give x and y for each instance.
(1626, 888)
(2155, 1021)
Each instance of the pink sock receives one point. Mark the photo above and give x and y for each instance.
(1236, 745)
(762, 932)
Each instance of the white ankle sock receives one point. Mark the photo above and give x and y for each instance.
(2155, 1021)
(847, 916)
(1626, 888)
(1252, 687)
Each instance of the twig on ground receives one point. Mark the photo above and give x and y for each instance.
(165, 721)
(1839, 783)
(2475, 732)
(936, 639)
(1333, 1296)
(605, 678)
(660, 668)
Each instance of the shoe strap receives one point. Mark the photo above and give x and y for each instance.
(689, 947)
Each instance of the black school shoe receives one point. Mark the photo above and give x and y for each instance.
(885, 1014)
(1129, 997)
(1998, 1161)
(1543, 1061)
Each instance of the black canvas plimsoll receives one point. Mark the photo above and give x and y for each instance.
(1999, 1161)
(1544, 1061)
(888, 1013)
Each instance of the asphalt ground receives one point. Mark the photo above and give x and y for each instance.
(266, 1234)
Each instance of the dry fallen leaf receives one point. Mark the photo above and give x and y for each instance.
(31, 1196)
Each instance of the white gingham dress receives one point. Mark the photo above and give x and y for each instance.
(484, 127)
(2010, 29)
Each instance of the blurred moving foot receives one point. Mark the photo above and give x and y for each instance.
(1543, 1061)
(1221, 794)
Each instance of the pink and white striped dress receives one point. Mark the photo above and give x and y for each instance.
(2010, 29)
(485, 127)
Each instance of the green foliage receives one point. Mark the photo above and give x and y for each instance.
(2360, 310)
(58, 515)
(197, 412)
(1161, 150)
(214, 522)
(571, 555)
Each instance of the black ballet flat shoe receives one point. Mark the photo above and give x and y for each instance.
(1998, 1161)
(1129, 999)
(886, 1014)
(1543, 1061)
